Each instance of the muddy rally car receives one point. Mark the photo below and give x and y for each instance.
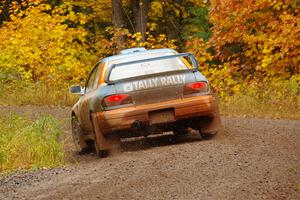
(141, 92)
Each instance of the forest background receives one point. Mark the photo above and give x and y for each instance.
(248, 49)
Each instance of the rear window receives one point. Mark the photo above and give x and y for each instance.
(141, 68)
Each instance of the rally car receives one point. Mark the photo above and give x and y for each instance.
(141, 92)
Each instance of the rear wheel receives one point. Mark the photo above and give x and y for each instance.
(207, 136)
(102, 153)
(180, 131)
(206, 128)
(77, 134)
(114, 146)
(104, 145)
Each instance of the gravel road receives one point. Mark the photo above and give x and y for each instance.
(250, 159)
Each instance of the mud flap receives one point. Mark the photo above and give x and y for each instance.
(104, 142)
(100, 140)
(211, 125)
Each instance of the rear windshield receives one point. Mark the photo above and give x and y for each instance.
(124, 71)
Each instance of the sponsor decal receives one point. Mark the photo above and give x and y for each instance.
(154, 82)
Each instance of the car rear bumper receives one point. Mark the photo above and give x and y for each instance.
(125, 118)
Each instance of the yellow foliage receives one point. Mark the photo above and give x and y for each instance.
(136, 40)
(56, 44)
(100, 11)
(220, 76)
(41, 47)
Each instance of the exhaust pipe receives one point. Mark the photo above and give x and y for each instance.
(137, 125)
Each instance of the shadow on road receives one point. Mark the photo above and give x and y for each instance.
(139, 144)
(142, 143)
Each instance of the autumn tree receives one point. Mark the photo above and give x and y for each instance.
(51, 52)
(260, 39)
(137, 18)
(140, 9)
(118, 22)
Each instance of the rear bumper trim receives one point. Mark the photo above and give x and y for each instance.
(123, 118)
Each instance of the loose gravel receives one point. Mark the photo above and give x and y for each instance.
(250, 159)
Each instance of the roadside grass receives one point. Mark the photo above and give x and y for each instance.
(278, 101)
(269, 100)
(253, 106)
(27, 144)
(23, 93)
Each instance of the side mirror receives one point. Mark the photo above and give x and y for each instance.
(76, 89)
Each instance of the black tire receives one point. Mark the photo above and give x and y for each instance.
(180, 131)
(101, 153)
(77, 137)
(76, 133)
(207, 136)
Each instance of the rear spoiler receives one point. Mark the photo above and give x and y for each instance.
(193, 59)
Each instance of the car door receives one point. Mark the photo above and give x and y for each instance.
(90, 86)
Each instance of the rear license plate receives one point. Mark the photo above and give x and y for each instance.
(162, 116)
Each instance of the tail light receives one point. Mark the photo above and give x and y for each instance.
(197, 87)
(116, 100)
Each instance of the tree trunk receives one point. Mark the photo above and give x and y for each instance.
(117, 17)
(134, 11)
(140, 10)
(118, 23)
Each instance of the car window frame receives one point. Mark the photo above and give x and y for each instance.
(94, 70)
(195, 66)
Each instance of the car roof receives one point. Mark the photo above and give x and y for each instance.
(138, 52)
